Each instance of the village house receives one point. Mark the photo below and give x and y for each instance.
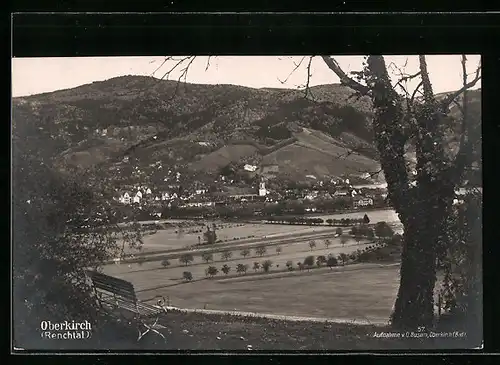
(125, 198)
(341, 193)
(361, 201)
(251, 168)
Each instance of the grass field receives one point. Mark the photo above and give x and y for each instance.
(168, 239)
(363, 294)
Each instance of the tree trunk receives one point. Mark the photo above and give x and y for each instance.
(425, 230)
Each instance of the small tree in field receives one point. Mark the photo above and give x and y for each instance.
(225, 269)
(256, 266)
(331, 261)
(165, 263)
(320, 260)
(226, 255)
(261, 251)
(212, 271)
(309, 262)
(344, 240)
(245, 252)
(338, 231)
(186, 259)
(240, 268)
(312, 245)
(278, 249)
(266, 265)
(207, 257)
(187, 275)
(328, 243)
(358, 237)
(383, 230)
(343, 258)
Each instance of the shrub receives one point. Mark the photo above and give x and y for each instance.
(241, 268)
(266, 265)
(186, 259)
(165, 263)
(226, 255)
(331, 261)
(309, 261)
(207, 257)
(383, 230)
(187, 275)
(256, 266)
(261, 251)
(320, 260)
(212, 271)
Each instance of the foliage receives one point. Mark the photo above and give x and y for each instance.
(245, 252)
(208, 256)
(383, 230)
(212, 271)
(165, 263)
(186, 258)
(63, 225)
(320, 260)
(266, 265)
(331, 261)
(210, 236)
(187, 275)
(342, 257)
(309, 261)
(461, 291)
(241, 268)
(260, 251)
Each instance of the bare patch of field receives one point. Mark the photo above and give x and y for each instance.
(366, 294)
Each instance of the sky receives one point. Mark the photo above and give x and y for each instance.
(38, 75)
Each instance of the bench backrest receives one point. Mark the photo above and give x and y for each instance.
(114, 286)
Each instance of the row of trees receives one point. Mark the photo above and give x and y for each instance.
(188, 258)
(319, 221)
(266, 265)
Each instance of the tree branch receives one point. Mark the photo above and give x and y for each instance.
(449, 99)
(344, 79)
(297, 65)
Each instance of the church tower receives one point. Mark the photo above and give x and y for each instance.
(262, 189)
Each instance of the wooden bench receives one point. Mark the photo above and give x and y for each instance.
(118, 296)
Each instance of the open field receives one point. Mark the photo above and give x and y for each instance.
(367, 293)
(168, 239)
